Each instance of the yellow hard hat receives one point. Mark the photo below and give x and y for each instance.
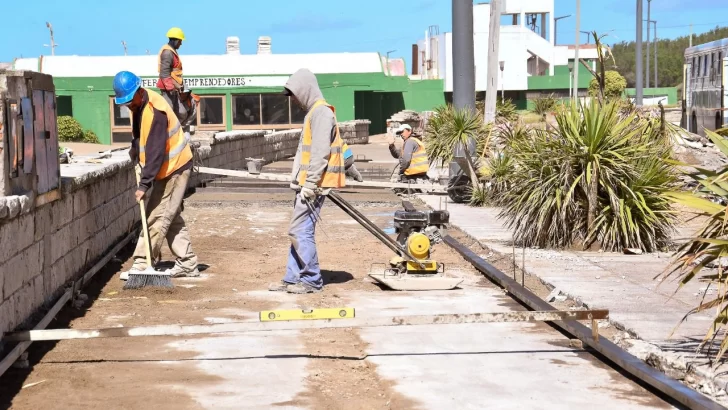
(176, 32)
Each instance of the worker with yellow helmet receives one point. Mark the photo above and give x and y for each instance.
(171, 83)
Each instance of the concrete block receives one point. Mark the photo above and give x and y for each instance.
(87, 226)
(61, 243)
(82, 202)
(22, 268)
(15, 235)
(8, 320)
(97, 194)
(62, 212)
(25, 302)
(43, 222)
(39, 295)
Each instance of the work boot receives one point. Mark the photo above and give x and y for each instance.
(301, 288)
(134, 269)
(179, 272)
(279, 286)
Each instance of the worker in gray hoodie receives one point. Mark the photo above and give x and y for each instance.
(317, 168)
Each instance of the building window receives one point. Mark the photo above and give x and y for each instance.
(211, 112)
(246, 109)
(266, 111)
(120, 122)
(274, 109)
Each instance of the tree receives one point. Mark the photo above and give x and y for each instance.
(614, 85)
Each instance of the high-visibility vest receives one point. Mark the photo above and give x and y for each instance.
(333, 176)
(347, 151)
(176, 71)
(178, 151)
(419, 163)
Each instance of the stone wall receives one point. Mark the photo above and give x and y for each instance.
(43, 249)
(355, 132)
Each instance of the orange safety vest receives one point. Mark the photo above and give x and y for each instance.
(176, 71)
(419, 163)
(178, 150)
(333, 176)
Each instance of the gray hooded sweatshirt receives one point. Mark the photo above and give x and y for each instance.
(304, 86)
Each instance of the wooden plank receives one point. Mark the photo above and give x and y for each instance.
(349, 184)
(12, 141)
(26, 109)
(48, 197)
(40, 142)
(52, 166)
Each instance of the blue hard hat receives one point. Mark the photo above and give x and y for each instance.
(125, 85)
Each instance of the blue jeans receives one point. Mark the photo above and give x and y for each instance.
(303, 264)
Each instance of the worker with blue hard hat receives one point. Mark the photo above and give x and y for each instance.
(349, 166)
(165, 156)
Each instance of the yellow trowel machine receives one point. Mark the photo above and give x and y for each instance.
(417, 231)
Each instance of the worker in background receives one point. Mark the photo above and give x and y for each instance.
(349, 164)
(171, 82)
(413, 161)
(165, 156)
(317, 167)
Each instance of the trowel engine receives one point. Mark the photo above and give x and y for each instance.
(417, 232)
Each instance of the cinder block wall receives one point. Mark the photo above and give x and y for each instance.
(42, 250)
(355, 132)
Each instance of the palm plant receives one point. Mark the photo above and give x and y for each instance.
(598, 178)
(710, 243)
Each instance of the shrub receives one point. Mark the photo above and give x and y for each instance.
(596, 178)
(69, 129)
(544, 104)
(614, 85)
(708, 245)
(505, 110)
(90, 137)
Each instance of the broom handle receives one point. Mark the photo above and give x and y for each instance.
(147, 248)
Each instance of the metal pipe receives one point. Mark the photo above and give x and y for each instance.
(638, 57)
(604, 346)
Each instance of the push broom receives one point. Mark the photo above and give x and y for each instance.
(148, 277)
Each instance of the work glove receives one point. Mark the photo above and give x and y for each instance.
(308, 194)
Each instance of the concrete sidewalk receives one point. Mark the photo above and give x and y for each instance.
(624, 284)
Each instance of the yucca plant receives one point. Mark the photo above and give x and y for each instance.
(710, 243)
(597, 178)
(495, 174)
(544, 104)
(505, 110)
(450, 126)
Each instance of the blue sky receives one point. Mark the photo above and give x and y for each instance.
(93, 27)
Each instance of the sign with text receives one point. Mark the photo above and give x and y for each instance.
(224, 82)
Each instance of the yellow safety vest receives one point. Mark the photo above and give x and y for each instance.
(176, 71)
(419, 163)
(178, 150)
(333, 176)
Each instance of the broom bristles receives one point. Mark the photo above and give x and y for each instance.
(148, 279)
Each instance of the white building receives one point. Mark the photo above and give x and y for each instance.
(527, 49)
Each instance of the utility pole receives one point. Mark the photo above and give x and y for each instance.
(691, 34)
(638, 57)
(576, 52)
(647, 66)
(491, 90)
(463, 65)
(123, 43)
(53, 42)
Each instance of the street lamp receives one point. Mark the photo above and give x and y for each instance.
(571, 69)
(556, 25)
(388, 53)
(502, 65)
